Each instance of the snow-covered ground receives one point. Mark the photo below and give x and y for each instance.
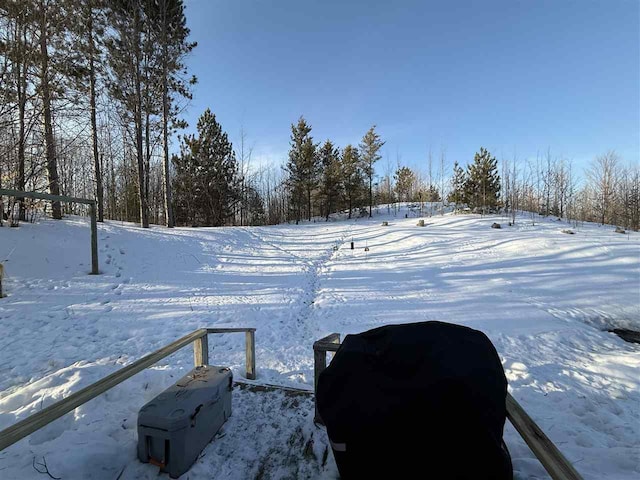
(544, 298)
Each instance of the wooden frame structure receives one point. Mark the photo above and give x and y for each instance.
(65, 199)
(556, 464)
(199, 338)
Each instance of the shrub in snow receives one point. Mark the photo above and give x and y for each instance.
(620, 230)
(495, 225)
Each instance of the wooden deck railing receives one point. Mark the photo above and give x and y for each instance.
(556, 464)
(199, 338)
(65, 199)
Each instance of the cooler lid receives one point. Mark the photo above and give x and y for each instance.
(178, 405)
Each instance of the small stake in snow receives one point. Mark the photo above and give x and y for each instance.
(352, 246)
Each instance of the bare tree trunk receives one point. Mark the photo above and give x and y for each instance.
(168, 204)
(147, 149)
(144, 210)
(94, 127)
(22, 104)
(52, 166)
(370, 187)
(21, 89)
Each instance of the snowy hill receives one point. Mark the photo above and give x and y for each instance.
(543, 297)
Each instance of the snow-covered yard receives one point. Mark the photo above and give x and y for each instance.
(544, 298)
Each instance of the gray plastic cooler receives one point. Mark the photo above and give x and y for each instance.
(174, 427)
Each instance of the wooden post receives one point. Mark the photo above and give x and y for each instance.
(320, 348)
(94, 240)
(319, 364)
(251, 354)
(201, 351)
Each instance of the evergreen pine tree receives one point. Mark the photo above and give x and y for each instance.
(482, 188)
(330, 185)
(205, 184)
(432, 194)
(170, 33)
(405, 180)
(302, 168)
(457, 185)
(369, 148)
(51, 26)
(352, 178)
(126, 56)
(88, 33)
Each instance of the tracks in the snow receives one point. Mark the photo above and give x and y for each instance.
(312, 268)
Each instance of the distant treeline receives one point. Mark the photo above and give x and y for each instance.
(91, 93)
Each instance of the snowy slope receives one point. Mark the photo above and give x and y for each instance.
(543, 297)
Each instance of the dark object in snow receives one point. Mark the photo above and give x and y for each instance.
(420, 223)
(620, 230)
(421, 400)
(352, 246)
(495, 225)
(366, 249)
(569, 232)
(385, 224)
(174, 427)
(627, 335)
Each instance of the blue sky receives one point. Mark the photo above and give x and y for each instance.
(517, 77)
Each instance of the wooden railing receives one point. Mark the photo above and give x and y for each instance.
(199, 338)
(65, 199)
(556, 464)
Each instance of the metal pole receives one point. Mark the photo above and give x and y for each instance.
(94, 240)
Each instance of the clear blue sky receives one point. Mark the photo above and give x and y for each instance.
(512, 76)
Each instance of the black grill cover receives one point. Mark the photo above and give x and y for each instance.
(421, 400)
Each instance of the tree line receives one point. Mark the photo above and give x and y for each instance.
(322, 179)
(91, 96)
(99, 80)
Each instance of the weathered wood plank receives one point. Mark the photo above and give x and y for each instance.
(331, 338)
(230, 330)
(267, 387)
(250, 341)
(45, 196)
(551, 458)
(201, 351)
(16, 432)
(326, 346)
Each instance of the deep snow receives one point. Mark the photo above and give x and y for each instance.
(544, 298)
